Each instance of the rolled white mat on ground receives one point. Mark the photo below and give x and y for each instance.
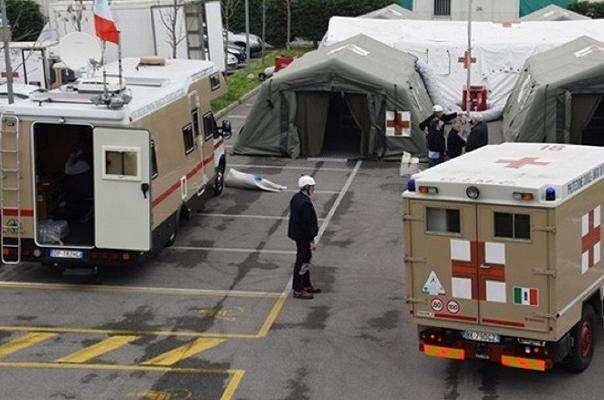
(241, 180)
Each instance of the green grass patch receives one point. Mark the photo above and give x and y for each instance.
(239, 84)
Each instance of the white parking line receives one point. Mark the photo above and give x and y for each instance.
(327, 159)
(297, 168)
(238, 116)
(231, 250)
(272, 217)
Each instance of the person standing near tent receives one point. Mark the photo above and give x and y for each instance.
(455, 143)
(479, 134)
(437, 112)
(436, 142)
(303, 228)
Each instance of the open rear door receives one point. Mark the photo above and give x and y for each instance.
(122, 189)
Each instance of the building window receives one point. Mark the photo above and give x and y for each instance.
(187, 134)
(512, 226)
(442, 220)
(154, 171)
(442, 8)
(209, 126)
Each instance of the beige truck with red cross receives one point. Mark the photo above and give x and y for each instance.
(503, 255)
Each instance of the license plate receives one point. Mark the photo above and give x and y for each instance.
(481, 336)
(55, 253)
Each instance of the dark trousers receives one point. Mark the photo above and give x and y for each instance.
(303, 256)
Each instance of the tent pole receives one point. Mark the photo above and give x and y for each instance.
(469, 58)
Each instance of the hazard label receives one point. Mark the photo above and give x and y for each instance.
(432, 286)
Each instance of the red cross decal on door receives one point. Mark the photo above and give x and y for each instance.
(466, 60)
(522, 162)
(479, 271)
(398, 124)
(590, 239)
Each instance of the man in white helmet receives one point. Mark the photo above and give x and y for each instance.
(303, 227)
(439, 113)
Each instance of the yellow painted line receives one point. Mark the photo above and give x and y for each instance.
(24, 342)
(233, 385)
(134, 333)
(136, 289)
(115, 367)
(180, 353)
(98, 349)
(272, 316)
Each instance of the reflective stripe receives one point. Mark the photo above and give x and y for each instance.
(445, 352)
(524, 363)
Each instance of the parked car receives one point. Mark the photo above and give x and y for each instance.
(239, 39)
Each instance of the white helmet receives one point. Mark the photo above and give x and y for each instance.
(306, 180)
(437, 108)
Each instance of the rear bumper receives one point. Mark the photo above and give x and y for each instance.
(509, 352)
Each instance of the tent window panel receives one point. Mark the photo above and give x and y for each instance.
(188, 138)
(442, 8)
(443, 220)
(512, 226)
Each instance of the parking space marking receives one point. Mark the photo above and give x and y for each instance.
(287, 167)
(230, 250)
(185, 351)
(272, 315)
(326, 159)
(60, 329)
(137, 289)
(23, 342)
(218, 215)
(105, 346)
(236, 375)
(238, 116)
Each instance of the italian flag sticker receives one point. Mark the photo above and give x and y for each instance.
(526, 296)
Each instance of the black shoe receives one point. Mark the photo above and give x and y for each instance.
(313, 289)
(303, 294)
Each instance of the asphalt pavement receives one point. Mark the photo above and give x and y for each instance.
(212, 317)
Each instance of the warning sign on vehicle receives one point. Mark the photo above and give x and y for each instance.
(432, 286)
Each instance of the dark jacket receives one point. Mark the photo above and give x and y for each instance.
(455, 144)
(444, 118)
(436, 141)
(478, 137)
(303, 224)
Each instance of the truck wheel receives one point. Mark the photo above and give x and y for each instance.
(219, 181)
(583, 342)
(174, 233)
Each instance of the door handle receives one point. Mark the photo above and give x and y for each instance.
(484, 266)
(145, 189)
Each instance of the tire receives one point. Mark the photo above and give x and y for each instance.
(583, 336)
(174, 233)
(219, 181)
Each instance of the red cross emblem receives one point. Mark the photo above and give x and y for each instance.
(522, 162)
(398, 124)
(479, 270)
(590, 239)
(508, 24)
(466, 60)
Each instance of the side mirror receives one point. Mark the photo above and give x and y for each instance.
(226, 129)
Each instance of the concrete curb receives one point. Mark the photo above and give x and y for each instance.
(220, 113)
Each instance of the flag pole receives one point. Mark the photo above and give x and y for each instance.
(105, 93)
(119, 56)
(469, 58)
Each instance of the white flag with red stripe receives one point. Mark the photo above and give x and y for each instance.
(105, 26)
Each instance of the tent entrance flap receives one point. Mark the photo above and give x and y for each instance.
(587, 120)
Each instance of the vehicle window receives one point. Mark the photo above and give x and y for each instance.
(214, 82)
(442, 220)
(195, 119)
(209, 126)
(154, 171)
(512, 226)
(121, 163)
(189, 140)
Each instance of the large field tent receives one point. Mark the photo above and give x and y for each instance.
(336, 101)
(553, 12)
(558, 97)
(393, 11)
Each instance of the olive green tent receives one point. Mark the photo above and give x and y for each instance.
(558, 96)
(291, 114)
(393, 11)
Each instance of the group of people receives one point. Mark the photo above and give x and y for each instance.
(441, 149)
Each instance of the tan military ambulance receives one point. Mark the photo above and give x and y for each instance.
(503, 255)
(100, 171)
